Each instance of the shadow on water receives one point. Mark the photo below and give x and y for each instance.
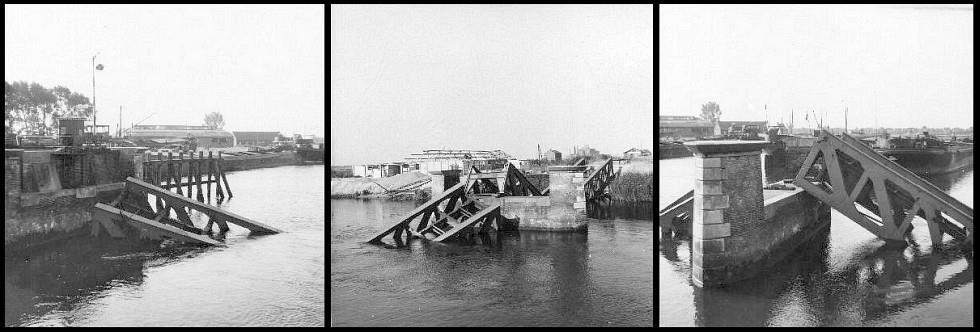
(605, 210)
(39, 281)
(883, 280)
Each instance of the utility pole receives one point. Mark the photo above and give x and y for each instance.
(94, 112)
(119, 125)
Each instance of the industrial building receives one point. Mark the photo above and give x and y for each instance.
(738, 127)
(255, 138)
(382, 170)
(552, 155)
(685, 127)
(437, 160)
(162, 135)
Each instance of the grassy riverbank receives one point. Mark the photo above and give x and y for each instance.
(634, 183)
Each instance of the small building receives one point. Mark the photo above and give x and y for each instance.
(382, 170)
(632, 153)
(255, 138)
(552, 155)
(367, 171)
(390, 169)
(359, 170)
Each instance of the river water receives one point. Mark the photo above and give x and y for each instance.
(844, 277)
(602, 278)
(268, 280)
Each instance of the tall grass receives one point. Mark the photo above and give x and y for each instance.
(632, 187)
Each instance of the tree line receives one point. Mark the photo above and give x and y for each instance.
(32, 109)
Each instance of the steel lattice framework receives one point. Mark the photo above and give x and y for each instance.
(878, 194)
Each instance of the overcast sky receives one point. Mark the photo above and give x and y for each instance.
(261, 66)
(914, 64)
(404, 78)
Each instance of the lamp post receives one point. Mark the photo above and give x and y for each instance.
(94, 111)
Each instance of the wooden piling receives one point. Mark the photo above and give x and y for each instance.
(180, 174)
(190, 176)
(208, 164)
(217, 181)
(197, 174)
(170, 169)
(159, 177)
(222, 174)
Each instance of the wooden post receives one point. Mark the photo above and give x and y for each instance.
(208, 163)
(156, 182)
(190, 176)
(223, 177)
(170, 169)
(220, 194)
(180, 173)
(175, 175)
(159, 173)
(197, 166)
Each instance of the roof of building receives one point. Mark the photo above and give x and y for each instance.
(553, 150)
(255, 135)
(687, 124)
(632, 150)
(151, 133)
(678, 118)
(459, 154)
(168, 140)
(727, 124)
(171, 127)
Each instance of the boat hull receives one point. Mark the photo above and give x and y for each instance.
(931, 161)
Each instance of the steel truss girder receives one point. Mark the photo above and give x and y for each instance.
(508, 182)
(459, 213)
(900, 194)
(596, 184)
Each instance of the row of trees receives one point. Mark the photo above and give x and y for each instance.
(32, 109)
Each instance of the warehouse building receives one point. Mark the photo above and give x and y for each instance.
(203, 136)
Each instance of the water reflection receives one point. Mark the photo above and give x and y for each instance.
(803, 291)
(38, 281)
(946, 181)
(606, 210)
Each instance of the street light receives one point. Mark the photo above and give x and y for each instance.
(94, 68)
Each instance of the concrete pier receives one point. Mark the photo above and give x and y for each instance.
(442, 180)
(563, 210)
(736, 224)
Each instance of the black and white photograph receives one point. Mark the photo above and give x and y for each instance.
(164, 165)
(816, 165)
(491, 165)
